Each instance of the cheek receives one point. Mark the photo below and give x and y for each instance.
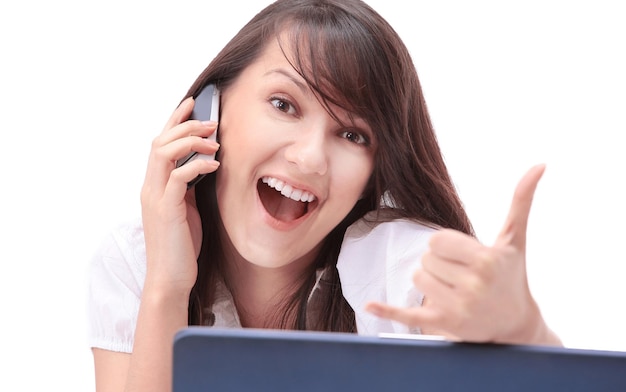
(238, 140)
(235, 126)
(352, 174)
(247, 130)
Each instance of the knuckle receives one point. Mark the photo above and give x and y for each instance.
(437, 238)
(485, 265)
(176, 175)
(473, 286)
(418, 277)
(158, 154)
(410, 318)
(157, 142)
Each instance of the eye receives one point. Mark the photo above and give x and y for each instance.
(283, 105)
(354, 136)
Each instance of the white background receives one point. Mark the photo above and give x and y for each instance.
(85, 86)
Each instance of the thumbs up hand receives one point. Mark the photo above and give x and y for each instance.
(475, 292)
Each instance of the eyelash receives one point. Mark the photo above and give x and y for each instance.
(363, 139)
(275, 101)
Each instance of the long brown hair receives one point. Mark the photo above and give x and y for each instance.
(350, 57)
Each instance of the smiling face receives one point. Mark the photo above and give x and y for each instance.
(289, 171)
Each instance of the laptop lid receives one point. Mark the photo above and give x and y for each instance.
(214, 359)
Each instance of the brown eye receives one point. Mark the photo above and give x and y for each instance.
(354, 137)
(283, 106)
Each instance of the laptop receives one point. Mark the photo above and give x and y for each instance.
(215, 359)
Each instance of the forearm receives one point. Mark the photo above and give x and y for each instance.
(160, 317)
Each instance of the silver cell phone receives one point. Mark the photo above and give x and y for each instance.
(207, 107)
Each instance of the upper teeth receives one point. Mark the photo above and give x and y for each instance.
(288, 191)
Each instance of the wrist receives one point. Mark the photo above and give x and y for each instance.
(165, 296)
(535, 331)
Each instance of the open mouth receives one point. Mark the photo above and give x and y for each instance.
(284, 202)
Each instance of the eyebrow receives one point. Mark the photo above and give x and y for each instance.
(289, 75)
(306, 90)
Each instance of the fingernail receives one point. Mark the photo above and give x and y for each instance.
(209, 123)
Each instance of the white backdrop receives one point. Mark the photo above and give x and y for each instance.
(84, 87)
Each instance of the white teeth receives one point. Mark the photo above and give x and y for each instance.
(288, 191)
(296, 194)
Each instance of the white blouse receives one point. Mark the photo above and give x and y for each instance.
(376, 263)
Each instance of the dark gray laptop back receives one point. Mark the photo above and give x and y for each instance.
(212, 359)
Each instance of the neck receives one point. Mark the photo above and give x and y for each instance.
(261, 293)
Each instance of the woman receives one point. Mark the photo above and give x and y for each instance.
(328, 207)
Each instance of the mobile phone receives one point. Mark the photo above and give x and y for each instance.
(206, 107)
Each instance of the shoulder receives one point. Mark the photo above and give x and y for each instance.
(115, 281)
(123, 246)
(377, 260)
(379, 233)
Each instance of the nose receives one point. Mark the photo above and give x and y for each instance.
(307, 151)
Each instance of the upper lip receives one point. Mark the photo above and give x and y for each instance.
(286, 186)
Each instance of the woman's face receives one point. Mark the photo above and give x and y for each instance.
(289, 172)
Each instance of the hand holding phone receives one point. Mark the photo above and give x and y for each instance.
(206, 107)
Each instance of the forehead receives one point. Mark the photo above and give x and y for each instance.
(304, 57)
(292, 58)
(275, 59)
(273, 64)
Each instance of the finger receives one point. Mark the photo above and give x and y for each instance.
(163, 159)
(435, 289)
(426, 319)
(454, 245)
(432, 330)
(514, 230)
(188, 128)
(413, 317)
(180, 114)
(180, 148)
(444, 271)
(176, 189)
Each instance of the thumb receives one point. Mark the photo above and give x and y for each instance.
(514, 230)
